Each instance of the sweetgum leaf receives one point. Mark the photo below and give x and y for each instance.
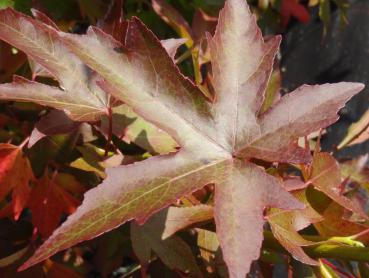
(176, 219)
(239, 204)
(357, 132)
(286, 224)
(81, 98)
(240, 73)
(173, 251)
(172, 45)
(113, 22)
(47, 203)
(173, 18)
(9, 61)
(15, 176)
(143, 76)
(54, 123)
(214, 138)
(142, 189)
(301, 112)
(325, 175)
(130, 127)
(334, 224)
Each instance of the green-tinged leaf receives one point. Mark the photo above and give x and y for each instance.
(178, 218)
(173, 251)
(325, 175)
(210, 252)
(112, 248)
(363, 270)
(272, 93)
(357, 132)
(94, 160)
(13, 257)
(132, 128)
(263, 4)
(325, 13)
(326, 271)
(54, 123)
(334, 224)
(174, 19)
(285, 227)
(6, 3)
(355, 170)
(80, 98)
(343, 6)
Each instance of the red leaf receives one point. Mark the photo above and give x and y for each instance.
(48, 202)
(293, 8)
(15, 175)
(113, 22)
(9, 61)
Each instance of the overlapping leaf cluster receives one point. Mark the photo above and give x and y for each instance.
(221, 135)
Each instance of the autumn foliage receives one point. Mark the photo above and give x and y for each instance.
(212, 174)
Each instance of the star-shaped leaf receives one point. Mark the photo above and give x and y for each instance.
(217, 140)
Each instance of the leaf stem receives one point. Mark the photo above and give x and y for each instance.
(322, 250)
(110, 131)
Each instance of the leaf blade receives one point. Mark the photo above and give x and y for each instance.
(103, 209)
(239, 206)
(288, 119)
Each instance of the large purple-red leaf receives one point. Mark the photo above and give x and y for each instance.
(211, 136)
(239, 205)
(40, 42)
